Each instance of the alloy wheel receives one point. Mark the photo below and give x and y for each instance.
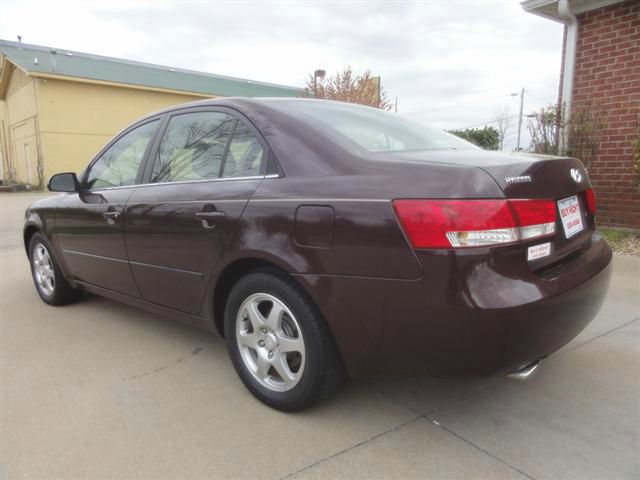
(43, 270)
(270, 342)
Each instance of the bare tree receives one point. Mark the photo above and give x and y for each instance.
(344, 86)
(585, 130)
(502, 121)
(544, 127)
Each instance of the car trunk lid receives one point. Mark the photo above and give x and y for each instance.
(564, 180)
(531, 176)
(538, 176)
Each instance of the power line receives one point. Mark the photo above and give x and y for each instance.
(519, 117)
(537, 89)
(537, 97)
(489, 122)
(545, 84)
(420, 110)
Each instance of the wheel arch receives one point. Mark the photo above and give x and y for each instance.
(228, 277)
(28, 233)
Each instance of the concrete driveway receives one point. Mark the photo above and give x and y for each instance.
(102, 390)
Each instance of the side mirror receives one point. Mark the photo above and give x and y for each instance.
(64, 182)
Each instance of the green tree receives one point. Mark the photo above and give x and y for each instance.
(487, 137)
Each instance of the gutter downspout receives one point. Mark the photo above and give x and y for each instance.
(568, 69)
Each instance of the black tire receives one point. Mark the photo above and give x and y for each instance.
(62, 293)
(323, 371)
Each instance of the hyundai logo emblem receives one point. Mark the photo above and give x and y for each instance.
(520, 179)
(576, 175)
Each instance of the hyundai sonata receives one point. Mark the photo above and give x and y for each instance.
(324, 240)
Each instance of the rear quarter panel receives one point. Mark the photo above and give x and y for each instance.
(368, 246)
(367, 240)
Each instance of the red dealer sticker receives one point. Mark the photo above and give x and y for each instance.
(570, 215)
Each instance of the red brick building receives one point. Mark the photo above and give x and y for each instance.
(601, 75)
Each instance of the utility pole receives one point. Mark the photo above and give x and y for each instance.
(317, 74)
(520, 119)
(396, 107)
(378, 80)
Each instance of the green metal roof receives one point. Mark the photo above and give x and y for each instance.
(46, 60)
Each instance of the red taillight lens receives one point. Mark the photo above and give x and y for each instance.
(427, 222)
(535, 218)
(591, 200)
(533, 212)
(473, 223)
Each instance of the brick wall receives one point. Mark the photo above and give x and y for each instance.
(607, 79)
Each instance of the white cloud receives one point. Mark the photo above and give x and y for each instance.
(446, 61)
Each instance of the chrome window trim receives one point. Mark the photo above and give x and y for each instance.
(182, 202)
(321, 200)
(182, 182)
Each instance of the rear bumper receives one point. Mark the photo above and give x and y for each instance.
(485, 316)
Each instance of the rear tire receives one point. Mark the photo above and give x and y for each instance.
(49, 281)
(279, 343)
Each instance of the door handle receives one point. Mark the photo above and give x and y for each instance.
(111, 216)
(215, 216)
(210, 218)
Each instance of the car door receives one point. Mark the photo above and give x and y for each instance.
(90, 224)
(200, 175)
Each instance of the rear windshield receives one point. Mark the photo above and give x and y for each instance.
(377, 130)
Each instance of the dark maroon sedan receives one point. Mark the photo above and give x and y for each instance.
(322, 238)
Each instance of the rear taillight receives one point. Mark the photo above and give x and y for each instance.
(474, 223)
(591, 200)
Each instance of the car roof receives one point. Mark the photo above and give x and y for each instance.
(289, 129)
(236, 102)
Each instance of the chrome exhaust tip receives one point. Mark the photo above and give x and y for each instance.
(524, 372)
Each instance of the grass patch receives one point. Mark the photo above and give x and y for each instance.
(625, 242)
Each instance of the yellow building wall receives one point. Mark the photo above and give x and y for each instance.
(19, 140)
(77, 119)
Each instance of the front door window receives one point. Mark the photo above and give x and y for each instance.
(118, 166)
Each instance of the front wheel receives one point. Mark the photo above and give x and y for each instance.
(50, 283)
(278, 342)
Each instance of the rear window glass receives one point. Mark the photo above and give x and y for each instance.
(377, 130)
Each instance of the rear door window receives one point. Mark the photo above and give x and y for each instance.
(193, 147)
